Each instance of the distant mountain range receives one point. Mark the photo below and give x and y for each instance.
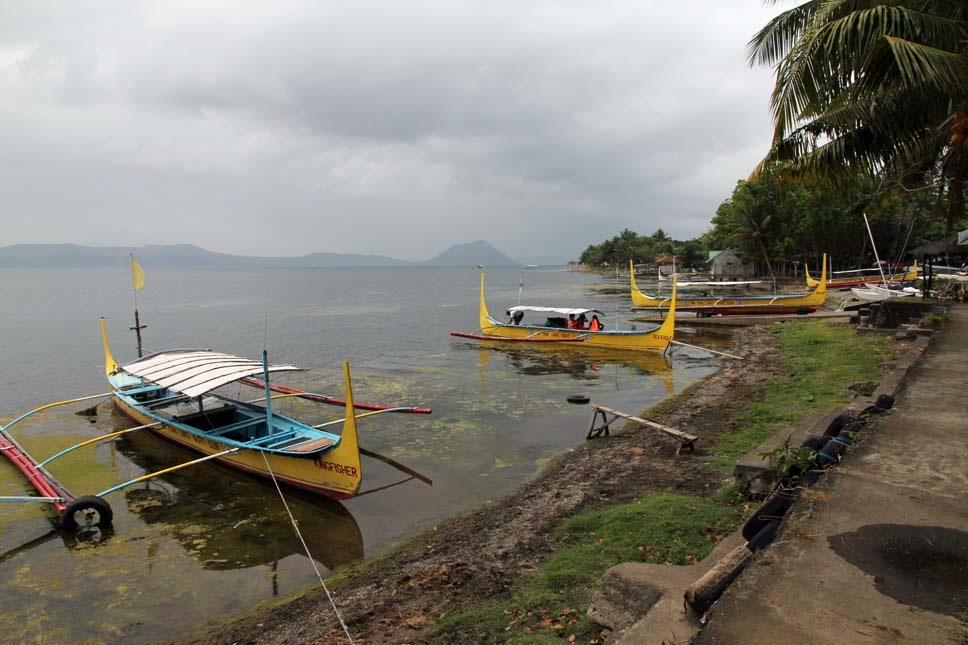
(185, 255)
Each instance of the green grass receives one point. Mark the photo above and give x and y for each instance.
(549, 606)
(823, 360)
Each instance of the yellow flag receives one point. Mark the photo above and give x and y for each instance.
(138, 274)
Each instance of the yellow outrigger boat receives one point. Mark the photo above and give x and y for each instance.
(861, 277)
(653, 340)
(705, 306)
(172, 393)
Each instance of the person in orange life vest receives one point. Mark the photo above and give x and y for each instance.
(572, 323)
(581, 321)
(595, 324)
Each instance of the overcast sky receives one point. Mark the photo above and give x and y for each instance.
(375, 126)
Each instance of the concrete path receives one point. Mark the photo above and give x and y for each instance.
(877, 552)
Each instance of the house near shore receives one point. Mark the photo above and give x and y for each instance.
(727, 265)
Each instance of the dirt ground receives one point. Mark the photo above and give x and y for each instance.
(480, 555)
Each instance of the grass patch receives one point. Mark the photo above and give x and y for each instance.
(549, 606)
(823, 361)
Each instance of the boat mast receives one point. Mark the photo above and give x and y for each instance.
(874, 246)
(265, 378)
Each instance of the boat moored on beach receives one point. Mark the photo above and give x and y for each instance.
(736, 305)
(860, 277)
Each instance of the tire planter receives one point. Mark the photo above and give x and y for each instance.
(811, 476)
(814, 443)
(580, 399)
(87, 510)
(831, 452)
(884, 402)
(838, 424)
(770, 511)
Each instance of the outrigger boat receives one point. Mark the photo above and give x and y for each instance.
(173, 392)
(491, 329)
(706, 306)
(188, 413)
(860, 277)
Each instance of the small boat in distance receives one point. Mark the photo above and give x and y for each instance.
(555, 330)
(706, 306)
(174, 392)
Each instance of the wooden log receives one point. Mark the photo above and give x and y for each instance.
(704, 592)
(688, 440)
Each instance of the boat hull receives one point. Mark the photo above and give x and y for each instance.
(326, 474)
(736, 305)
(655, 341)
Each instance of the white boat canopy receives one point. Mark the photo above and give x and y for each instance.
(555, 310)
(194, 372)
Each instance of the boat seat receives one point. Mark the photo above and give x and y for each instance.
(238, 425)
(159, 403)
(310, 446)
(268, 440)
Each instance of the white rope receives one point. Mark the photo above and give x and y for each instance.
(706, 349)
(295, 526)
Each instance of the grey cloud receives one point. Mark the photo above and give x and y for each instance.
(599, 115)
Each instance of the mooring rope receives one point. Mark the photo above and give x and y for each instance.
(295, 526)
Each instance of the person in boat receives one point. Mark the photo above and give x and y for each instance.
(582, 321)
(595, 324)
(572, 323)
(517, 317)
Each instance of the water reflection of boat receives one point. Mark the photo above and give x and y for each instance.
(581, 364)
(229, 521)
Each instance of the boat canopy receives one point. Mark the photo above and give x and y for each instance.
(194, 372)
(555, 310)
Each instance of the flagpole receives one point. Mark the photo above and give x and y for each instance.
(138, 280)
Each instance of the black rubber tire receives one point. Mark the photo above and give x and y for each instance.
(814, 442)
(838, 424)
(579, 398)
(832, 451)
(770, 510)
(93, 509)
(884, 402)
(764, 536)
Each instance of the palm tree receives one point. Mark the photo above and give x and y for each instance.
(753, 225)
(876, 87)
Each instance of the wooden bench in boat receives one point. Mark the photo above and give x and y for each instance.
(687, 440)
(310, 446)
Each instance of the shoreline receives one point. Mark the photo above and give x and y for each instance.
(392, 597)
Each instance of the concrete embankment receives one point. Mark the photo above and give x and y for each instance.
(875, 552)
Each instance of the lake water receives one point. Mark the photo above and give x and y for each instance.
(205, 542)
